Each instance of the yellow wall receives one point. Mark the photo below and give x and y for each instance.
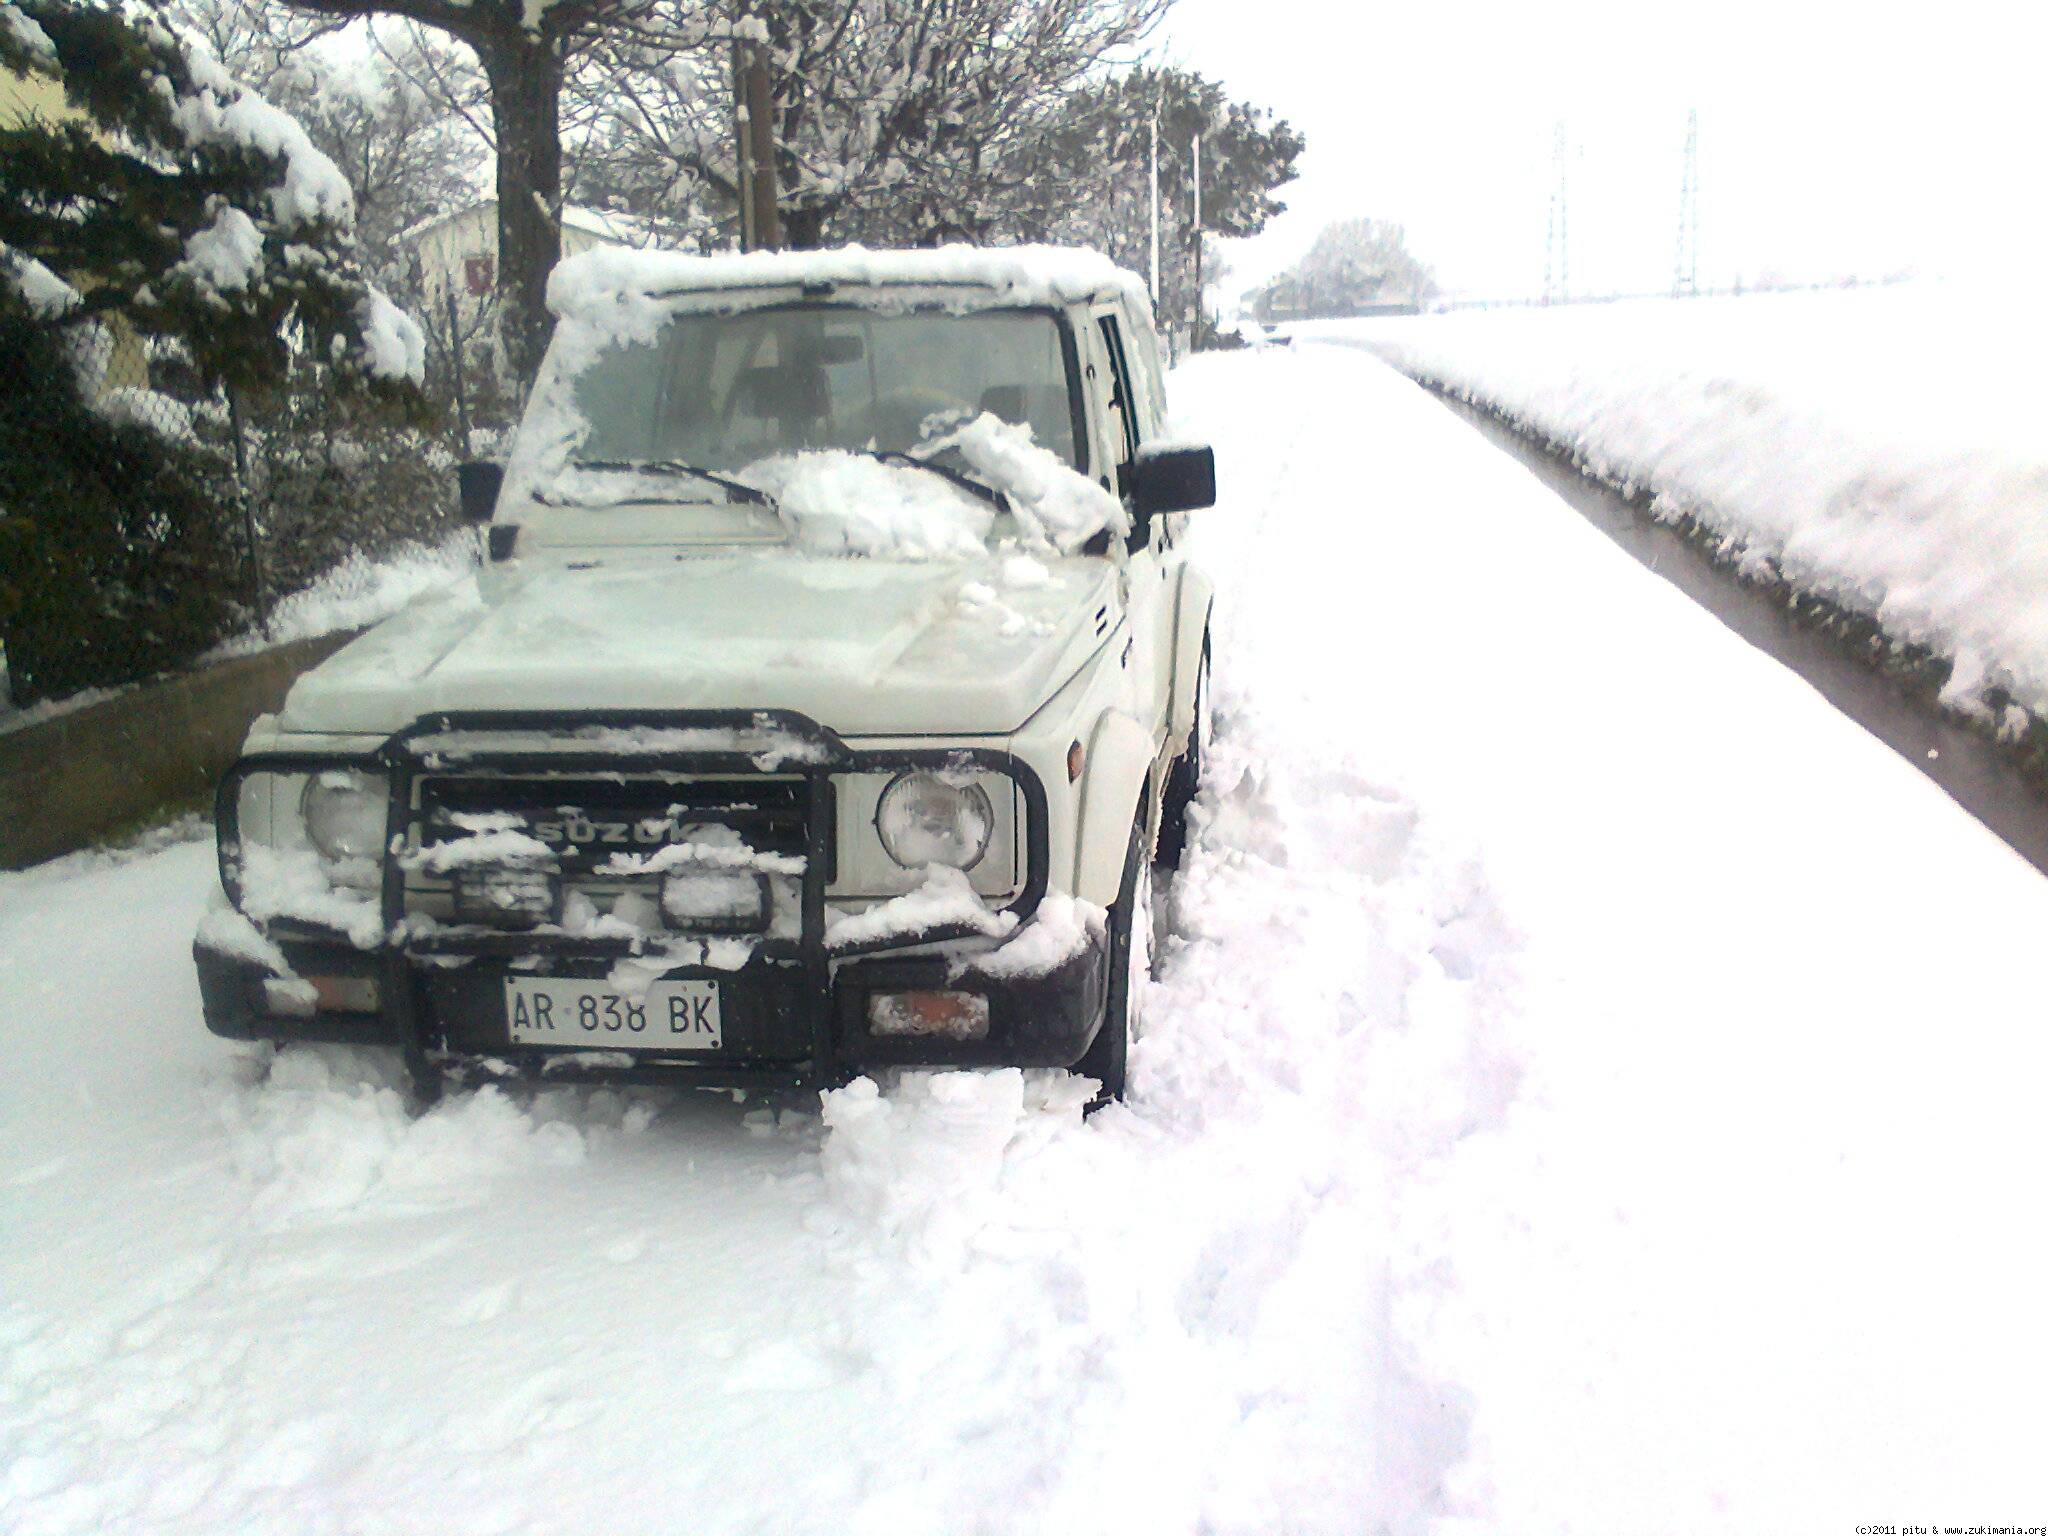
(23, 96)
(26, 96)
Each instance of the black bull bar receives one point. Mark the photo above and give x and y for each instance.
(791, 746)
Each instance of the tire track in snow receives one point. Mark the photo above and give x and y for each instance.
(941, 1304)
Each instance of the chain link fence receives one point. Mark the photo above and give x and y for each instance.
(147, 517)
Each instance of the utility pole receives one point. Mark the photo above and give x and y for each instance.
(1557, 245)
(1685, 278)
(754, 129)
(1196, 332)
(1155, 207)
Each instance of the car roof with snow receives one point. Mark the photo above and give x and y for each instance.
(957, 275)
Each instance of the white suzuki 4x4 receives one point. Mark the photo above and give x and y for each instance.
(835, 679)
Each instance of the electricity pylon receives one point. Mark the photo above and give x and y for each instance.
(1557, 244)
(1685, 279)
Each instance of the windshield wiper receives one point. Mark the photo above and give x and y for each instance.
(738, 490)
(961, 478)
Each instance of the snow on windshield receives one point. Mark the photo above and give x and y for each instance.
(843, 503)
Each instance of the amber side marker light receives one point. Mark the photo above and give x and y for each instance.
(934, 1014)
(296, 998)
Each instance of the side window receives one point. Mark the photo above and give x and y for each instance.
(1122, 403)
(1146, 377)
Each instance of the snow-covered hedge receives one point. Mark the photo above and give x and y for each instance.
(1879, 448)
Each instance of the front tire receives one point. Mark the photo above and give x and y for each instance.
(1130, 972)
(1184, 778)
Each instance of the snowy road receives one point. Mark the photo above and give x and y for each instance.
(1559, 1110)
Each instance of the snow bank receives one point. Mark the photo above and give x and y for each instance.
(363, 590)
(1880, 448)
(330, 1132)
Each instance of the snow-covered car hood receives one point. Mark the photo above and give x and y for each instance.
(866, 647)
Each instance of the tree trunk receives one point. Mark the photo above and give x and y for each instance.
(803, 229)
(526, 108)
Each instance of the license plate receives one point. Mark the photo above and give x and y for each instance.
(588, 1015)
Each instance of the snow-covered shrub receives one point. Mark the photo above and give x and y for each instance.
(117, 550)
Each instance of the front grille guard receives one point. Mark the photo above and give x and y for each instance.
(798, 747)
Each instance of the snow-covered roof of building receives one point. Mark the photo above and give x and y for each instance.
(629, 229)
(1008, 275)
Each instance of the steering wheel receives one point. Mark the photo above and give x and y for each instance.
(896, 420)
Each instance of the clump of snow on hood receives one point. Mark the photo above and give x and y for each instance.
(978, 597)
(1020, 572)
(393, 345)
(847, 503)
(1055, 503)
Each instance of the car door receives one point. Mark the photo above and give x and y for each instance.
(1149, 599)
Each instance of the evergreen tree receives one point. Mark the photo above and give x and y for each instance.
(185, 204)
(165, 207)
(1091, 182)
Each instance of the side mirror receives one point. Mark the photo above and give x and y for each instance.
(479, 483)
(1172, 480)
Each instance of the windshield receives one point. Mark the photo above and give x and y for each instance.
(723, 391)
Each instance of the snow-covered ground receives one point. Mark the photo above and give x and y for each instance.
(360, 591)
(1879, 447)
(1590, 1086)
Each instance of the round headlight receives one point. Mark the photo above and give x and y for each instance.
(344, 814)
(923, 819)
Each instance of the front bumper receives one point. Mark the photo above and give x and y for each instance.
(776, 1031)
(795, 1013)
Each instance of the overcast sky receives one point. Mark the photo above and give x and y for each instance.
(1833, 139)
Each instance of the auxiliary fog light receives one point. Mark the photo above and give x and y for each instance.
(933, 1014)
(926, 818)
(508, 895)
(698, 900)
